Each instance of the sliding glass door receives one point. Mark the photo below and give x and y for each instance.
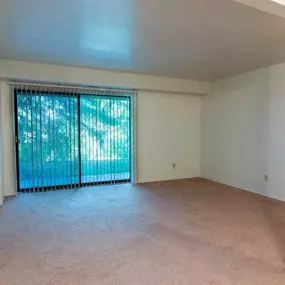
(105, 139)
(66, 140)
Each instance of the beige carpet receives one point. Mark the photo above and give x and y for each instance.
(181, 232)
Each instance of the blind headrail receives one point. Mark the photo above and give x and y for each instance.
(19, 84)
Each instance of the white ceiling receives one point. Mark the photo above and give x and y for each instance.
(199, 39)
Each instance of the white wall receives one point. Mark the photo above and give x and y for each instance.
(1, 149)
(242, 127)
(276, 137)
(7, 140)
(168, 132)
(243, 131)
(75, 75)
(168, 122)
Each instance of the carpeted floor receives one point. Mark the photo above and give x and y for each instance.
(184, 232)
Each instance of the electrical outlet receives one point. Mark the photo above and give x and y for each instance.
(173, 165)
(266, 177)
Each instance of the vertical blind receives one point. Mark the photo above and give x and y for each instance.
(68, 138)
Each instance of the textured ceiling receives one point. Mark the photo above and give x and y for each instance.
(199, 39)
